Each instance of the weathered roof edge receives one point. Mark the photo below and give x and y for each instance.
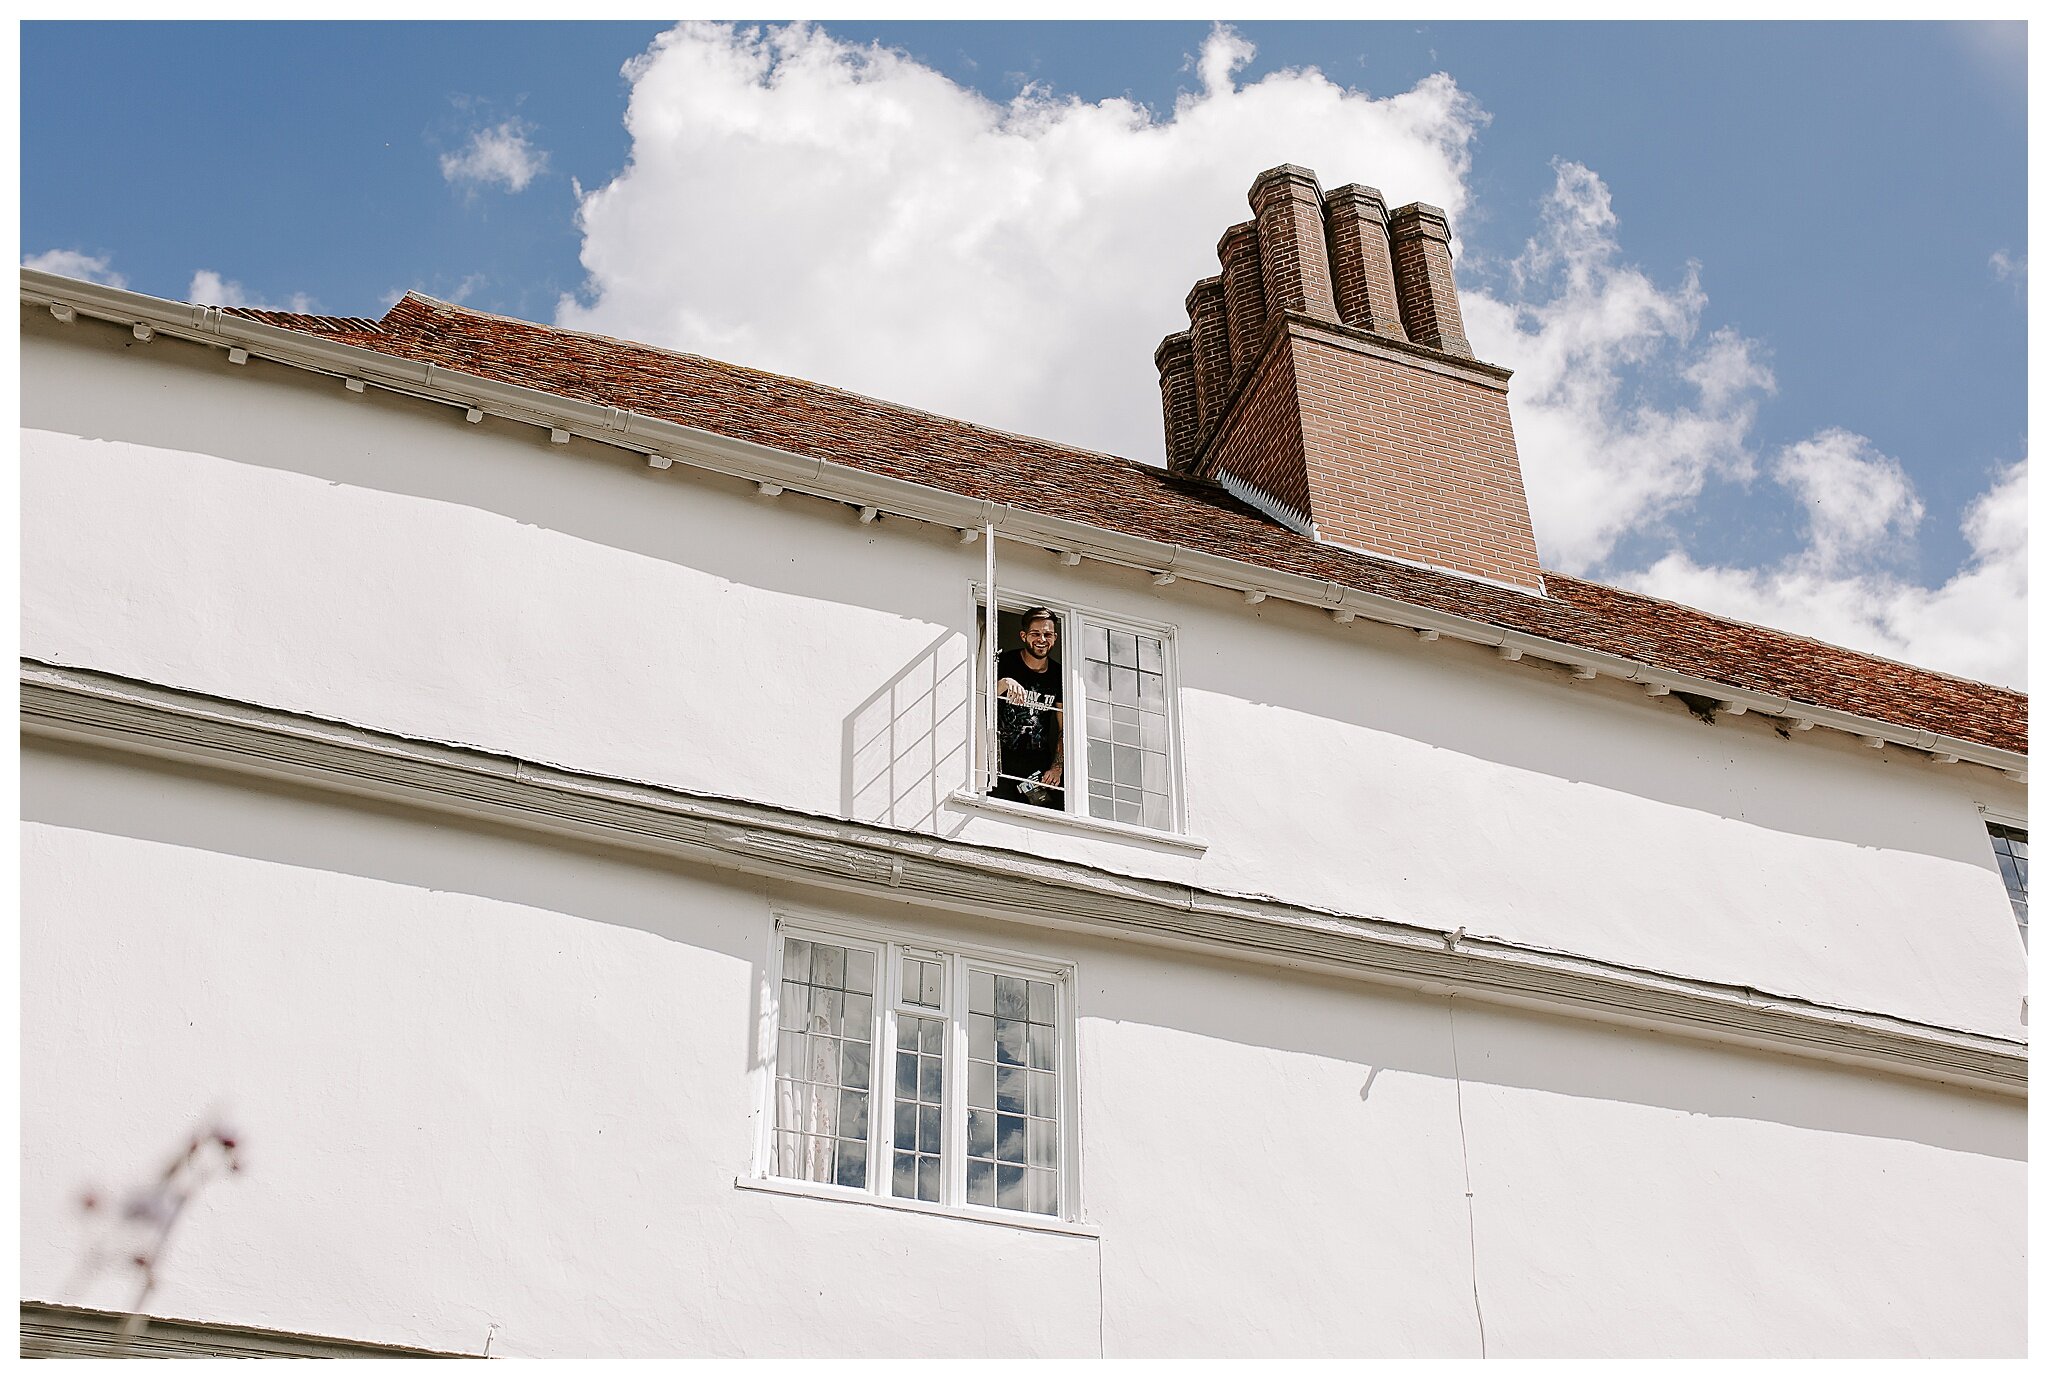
(664, 440)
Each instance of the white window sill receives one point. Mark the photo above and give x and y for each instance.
(1136, 833)
(831, 1192)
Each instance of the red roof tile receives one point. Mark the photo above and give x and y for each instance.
(1142, 500)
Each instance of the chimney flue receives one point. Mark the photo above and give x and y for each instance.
(1362, 261)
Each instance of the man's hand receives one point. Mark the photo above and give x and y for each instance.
(1010, 690)
(1052, 774)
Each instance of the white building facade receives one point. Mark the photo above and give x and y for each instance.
(555, 837)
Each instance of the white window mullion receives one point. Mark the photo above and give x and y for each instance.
(880, 1131)
(1075, 704)
(956, 1086)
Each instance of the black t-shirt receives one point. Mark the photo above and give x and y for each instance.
(1029, 732)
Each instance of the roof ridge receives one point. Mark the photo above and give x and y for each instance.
(894, 406)
(1783, 632)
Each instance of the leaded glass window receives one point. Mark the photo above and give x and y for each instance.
(963, 1109)
(1013, 1094)
(823, 1078)
(1128, 774)
(920, 1082)
(2009, 845)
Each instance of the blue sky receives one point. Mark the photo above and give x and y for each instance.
(1763, 285)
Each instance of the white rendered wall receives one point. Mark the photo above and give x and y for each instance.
(494, 1085)
(256, 533)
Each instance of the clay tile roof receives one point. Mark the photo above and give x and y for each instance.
(1142, 500)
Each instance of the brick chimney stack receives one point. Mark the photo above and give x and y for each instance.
(1325, 378)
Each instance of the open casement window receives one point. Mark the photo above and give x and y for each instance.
(1113, 715)
(939, 1076)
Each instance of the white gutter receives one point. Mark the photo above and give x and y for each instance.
(763, 464)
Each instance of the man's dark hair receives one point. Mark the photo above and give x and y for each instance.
(1032, 615)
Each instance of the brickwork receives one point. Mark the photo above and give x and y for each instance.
(1294, 258)
(1176, 360)
(1212, 350)
(1422, 267)
(1260, 442)
(1362, 262)
(1244, 293)
(1442, 484)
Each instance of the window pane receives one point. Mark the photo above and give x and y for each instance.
(853, 1164)
(827, 1006)
(1042, 1050)
(1152, 731)
(855, 1064)
(981, 993)
(1128, 770)
(981, 1182)
(1045, 1193)
(828, 965)
(1010, 1041)
(853, 1115)
(1123, 649)
(1038, 1002)
(1044, 1138)
(860, 972)
(814, 1103)
(1096, 642)
(1010, 1191)
(1013, 1090)
(1010, 998)
(1151, 654)
(981, 1134)
(796, 960)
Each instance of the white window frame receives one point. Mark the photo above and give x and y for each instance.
(890, 945)
(1075, 618)
(2004, 818)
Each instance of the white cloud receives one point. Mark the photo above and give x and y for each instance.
(845, 214)
(498, 155)
(211, 289)
(1856, 500)
(2009, 268)
(1592, 342)
(1837, 589)
(72, 263)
